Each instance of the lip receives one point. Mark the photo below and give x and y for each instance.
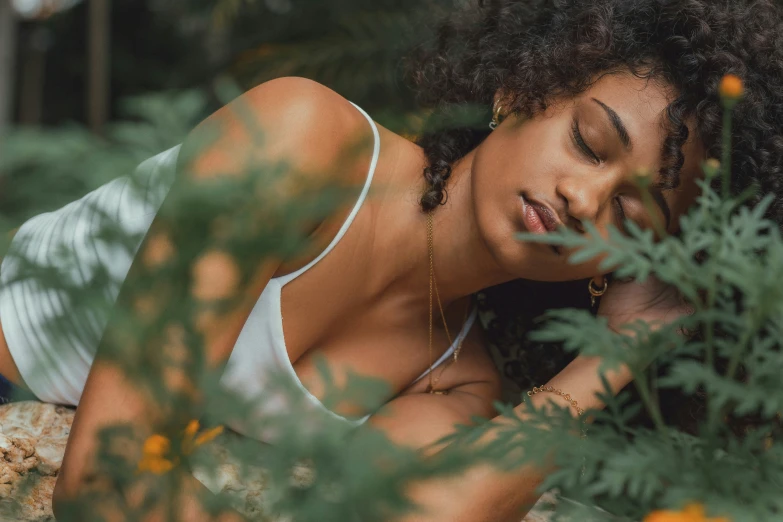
(538, 218)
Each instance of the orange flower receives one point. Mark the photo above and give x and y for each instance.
(156, 445)
(690, 513)
(155, 458)
(209, 435)
(192, 428)
(155, 465)
(190, 442)
(154, 452)
(731, 87)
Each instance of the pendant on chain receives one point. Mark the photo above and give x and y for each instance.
(436, 392)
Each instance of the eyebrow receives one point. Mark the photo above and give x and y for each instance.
(617, 124)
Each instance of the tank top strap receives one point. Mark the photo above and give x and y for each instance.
(460, 337)
(283, 280)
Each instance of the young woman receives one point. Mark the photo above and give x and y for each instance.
(582, 94)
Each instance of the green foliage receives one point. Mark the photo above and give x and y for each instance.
(726, 262)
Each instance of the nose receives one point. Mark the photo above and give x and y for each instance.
(586, 197)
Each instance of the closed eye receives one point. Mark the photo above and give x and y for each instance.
(577, 135)
(619, 213)
(618, 206)
(587, 151)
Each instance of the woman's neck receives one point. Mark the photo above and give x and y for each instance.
(463, 263)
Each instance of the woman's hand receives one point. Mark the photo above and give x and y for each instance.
(652, 301)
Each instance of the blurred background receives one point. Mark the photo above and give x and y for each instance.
(70, 64)
(71, 60)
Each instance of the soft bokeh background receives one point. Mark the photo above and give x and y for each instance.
(73, 61)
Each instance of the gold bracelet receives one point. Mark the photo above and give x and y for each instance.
(550, 389)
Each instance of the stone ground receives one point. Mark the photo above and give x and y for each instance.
(32, 442)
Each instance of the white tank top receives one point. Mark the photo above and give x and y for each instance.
(259, 353)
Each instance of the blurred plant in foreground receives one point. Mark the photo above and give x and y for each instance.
(722, 263)
(727, 351)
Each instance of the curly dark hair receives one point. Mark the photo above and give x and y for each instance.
(540, 50)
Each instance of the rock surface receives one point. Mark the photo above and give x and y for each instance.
(32, 441)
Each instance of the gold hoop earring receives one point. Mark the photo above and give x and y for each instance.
(596, 292)
(495, 117)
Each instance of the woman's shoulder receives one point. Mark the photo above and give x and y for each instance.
(303, 124)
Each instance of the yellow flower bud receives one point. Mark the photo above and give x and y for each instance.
(731, 87)
(711, 167)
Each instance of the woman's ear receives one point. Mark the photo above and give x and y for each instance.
(503, 102)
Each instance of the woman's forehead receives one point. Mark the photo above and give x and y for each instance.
(639, 107)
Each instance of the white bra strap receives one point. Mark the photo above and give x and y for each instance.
(464, 332)
(376, 150)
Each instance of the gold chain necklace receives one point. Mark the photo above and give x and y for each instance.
(434, 285)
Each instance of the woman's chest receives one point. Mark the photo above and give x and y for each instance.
(323, 341)
(345, 336)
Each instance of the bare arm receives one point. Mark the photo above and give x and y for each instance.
(289, 112)
(485, 493)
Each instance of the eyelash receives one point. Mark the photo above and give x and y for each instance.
(581, 142)
(619, 211)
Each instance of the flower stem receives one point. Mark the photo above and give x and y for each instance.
(640, 381)
(725, 164)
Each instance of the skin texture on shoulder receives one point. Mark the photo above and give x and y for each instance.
(290, 119)
(290, 125)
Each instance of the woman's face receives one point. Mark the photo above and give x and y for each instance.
(540, 162)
